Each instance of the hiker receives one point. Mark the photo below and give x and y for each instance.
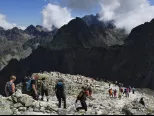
(82, 97)
(127, 92)
(90, 90)
(133, 90)
(10, 86)
(130, 89)
(120, 95)
(115, 93)
(30, 87)
(110, 92)
(34, 92)
(142, 101)
(44, 88)
(60, 92)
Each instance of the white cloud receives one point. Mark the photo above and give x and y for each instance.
(81, 5)
(54, 15)
(127, 13)
(7, 25)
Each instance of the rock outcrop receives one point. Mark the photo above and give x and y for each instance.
(99, 104)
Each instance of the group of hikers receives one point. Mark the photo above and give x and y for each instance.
(122, 91)
(29, 87)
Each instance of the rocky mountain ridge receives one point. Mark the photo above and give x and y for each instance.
(99, 104)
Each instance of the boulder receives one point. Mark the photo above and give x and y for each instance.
(5, 107)
(17, 105)
(135, 108)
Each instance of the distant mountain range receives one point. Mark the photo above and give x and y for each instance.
(84, 46)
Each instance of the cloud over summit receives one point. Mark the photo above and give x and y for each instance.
(7, 25)
(126, 13)
(54, 15)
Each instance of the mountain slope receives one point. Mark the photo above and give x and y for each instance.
(99, 104)
(16, 43)
(77, 34)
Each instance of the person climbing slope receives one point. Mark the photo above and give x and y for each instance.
(82, 97)
(60, 92)
(10, 86)
(110, 92)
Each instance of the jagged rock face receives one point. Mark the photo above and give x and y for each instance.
(77, 34)
(94, 20)
(131, 63)
(16, 43)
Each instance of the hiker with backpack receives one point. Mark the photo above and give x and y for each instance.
(44, 89)
(60, 92)
(30, 88)
(82, 98)
(10, 86)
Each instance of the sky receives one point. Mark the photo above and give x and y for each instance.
(22, 13)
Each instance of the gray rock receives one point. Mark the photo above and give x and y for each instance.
(26, 100)
(17, 105)
(22, 109)
(62, 112)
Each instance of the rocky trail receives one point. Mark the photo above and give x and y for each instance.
(99, 104)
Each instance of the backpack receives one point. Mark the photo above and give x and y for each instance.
(44, 85)
(9, 87)
(60, 87)
(80, 95)
(28, 85)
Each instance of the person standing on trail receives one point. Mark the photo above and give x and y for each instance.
(34, 92)
(127, 92)
(44, 88)
(60, 92)
(82, 97)
(115, 93)
(10, 86)
(110, 92)
(133, 90)
(130, 89)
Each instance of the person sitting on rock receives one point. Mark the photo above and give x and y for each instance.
(60, 92)
(44, 88)
(82, 97)
(10, 86)
(142, 101)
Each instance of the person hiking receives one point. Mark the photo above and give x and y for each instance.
(82, 98)
(115, 93)
(130, 89)
(127, 92)
(30, 87)
(44, 88)
(142, 101)
(110, 92)
(133, 90)
(90, 90)
(10, 86)
(60, 92)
